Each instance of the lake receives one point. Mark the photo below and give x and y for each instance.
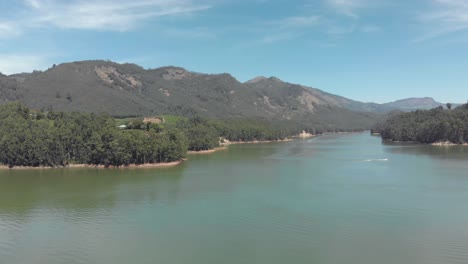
(333, 199)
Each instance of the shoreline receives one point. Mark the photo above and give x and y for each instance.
(208, 151)
(225, 145)
(74, 166)
(447, 144)
(227, 142)
(436, 144)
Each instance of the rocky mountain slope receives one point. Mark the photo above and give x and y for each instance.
(273, 85)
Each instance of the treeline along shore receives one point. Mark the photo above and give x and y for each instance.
(436, 126)
(36, 139)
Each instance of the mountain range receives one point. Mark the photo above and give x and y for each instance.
(128, 89)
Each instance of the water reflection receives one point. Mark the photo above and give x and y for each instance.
(438, 152)
(22, 191)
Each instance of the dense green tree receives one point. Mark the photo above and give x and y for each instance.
(201, 133)
(57, 139)
(429, 126)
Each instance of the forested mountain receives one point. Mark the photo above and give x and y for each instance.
(427, 126)
(128, 90)
(9, 90)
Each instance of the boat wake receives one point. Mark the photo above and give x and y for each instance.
(376, 160)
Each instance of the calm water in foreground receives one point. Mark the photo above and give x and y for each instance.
(332, 199)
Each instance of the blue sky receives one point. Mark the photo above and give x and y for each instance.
(368, 50)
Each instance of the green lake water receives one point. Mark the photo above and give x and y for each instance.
(332, 199)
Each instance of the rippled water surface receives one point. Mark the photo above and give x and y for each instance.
(333, 199)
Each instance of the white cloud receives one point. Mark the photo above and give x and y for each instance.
(445, 17)
(17, 63)
(116, 15)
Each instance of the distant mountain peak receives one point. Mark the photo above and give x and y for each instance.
(275, 79)
(415, 103)
(417, 99)
(263, 78)
(256, 79)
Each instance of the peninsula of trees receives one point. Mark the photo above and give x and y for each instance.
(56, 139)
(427, 126)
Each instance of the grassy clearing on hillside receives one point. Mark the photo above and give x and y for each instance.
(168, 119)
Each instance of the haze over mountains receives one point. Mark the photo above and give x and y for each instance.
(128, 89)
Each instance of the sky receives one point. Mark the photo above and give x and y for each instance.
(367, 50)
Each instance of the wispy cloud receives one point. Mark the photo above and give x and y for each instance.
(297, 21)
(445, 17)
(191, 33)
(33, 3)
(347, 7)
(117, 15)
(8, 30)
(370, 29)
(293, 27)
(281, 29)
(279, 36)
(16, 63)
